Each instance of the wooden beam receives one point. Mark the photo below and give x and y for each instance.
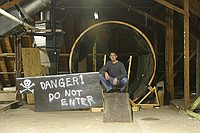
(6, 64)
(170, 52)
(194, 6)
(10, 62)
(18, 61)
(5, 80)
(9, 4)
(186, 57)
(192, 55)
(11, 106)
(142, 13)
(171, 6)
(178, 59)
(197, 70)
(176, 62)
(7, 55)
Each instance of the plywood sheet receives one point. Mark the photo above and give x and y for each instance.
(117, 108)
(31, 62)
(32, 66)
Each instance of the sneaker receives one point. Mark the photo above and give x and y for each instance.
(110, 91)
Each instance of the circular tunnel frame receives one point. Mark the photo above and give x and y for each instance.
(114, 22)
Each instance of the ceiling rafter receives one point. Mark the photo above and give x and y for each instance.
(194, 6)
(171, 6)
(142, 13)
(9, 4)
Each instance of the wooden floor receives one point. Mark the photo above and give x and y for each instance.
(156, 120)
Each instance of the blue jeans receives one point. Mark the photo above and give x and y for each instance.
(108, 84)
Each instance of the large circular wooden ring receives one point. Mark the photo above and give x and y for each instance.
(114, 22)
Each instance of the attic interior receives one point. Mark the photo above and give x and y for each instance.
(161, 35)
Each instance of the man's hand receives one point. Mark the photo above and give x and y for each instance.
(115, 81)
(107, 76)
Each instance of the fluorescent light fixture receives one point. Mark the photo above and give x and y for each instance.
(96, 15)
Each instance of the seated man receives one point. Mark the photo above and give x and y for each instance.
(113, 74)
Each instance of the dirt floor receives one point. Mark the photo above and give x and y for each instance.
(166, 119)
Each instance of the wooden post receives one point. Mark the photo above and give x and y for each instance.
(197, 69)
(94, 57)
(170, 53)
(155, 40)
(129, 70)
(104, 59)
(18, 61)
(186, 56)
(18, 58)
(155, 45)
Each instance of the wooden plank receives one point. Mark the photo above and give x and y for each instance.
(7, 45)
(8, 73)
(117, 108)
(7, 55)
(32, 66)
(171, 6)
(170, 53)
(147, 106)
(198, 70)
(186, 57)
(18, 57)
(10, 62)
(26, 41)
(63, 61)
(31, 62)
(195, 104)
(11, 105)
(94, 57)
(132, 103)
(100, 109)
(167, 56)
(7, 5)
(151, 90)
(5, 77)
(194, 6)
(135, 109)
(193, 114)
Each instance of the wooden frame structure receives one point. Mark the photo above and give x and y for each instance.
(151, 90)
(149, 105)
(169, 39)
(7, 62)
(119, 23)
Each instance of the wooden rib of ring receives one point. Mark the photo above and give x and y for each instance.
(114, 22)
